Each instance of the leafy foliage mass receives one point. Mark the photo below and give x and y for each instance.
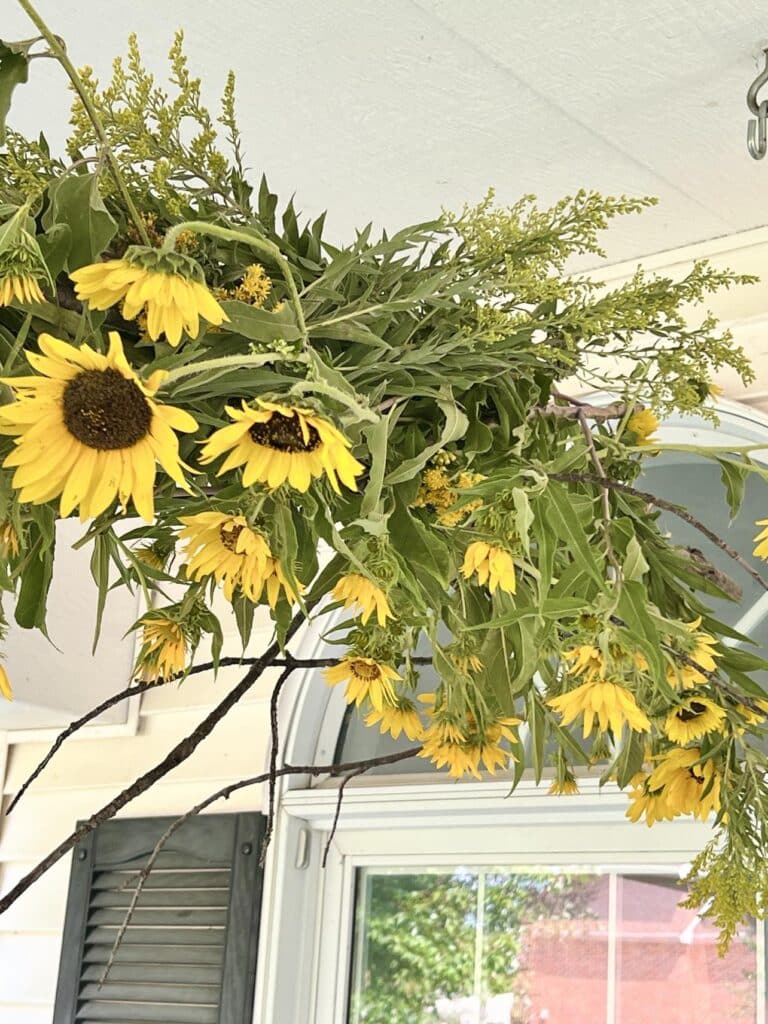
(440, 353)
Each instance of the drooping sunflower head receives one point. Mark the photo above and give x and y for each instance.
(492, 565)
(761, 540)
(163, 653)
(359, 592)
(22, 266)
(169, 287)
(9, 540)
(366, 679)
(224, 546)
(277, 443)
(565, 785)
(642, 424)
(700, 649)
(401, 717)
(474, 746)
(601, 701)
(88, 429)
(645, 801)
(689, 784)
(695, 717)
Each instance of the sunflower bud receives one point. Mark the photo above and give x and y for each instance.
(22, 266)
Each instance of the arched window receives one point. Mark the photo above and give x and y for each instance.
(447, 902)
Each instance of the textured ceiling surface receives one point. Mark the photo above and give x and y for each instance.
(390, 110)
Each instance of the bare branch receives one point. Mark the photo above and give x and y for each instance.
(332, 833)
(575, 410)
(183, 749)
(353, 767)
(139, 688)
(668, 506)
(130, 691)
(273, 754)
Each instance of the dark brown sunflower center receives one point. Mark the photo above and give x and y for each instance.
(105, 411)
(228, 534)
(284, 434)
(365, 671)
(694, 710)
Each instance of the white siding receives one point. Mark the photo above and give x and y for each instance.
(87, 773)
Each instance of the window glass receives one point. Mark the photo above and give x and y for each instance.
(497, 946)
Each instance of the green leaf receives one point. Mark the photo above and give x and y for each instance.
(564, 518)
(77, 203)
(258, 324)
(536, 719)
(635, 566)
(523, 516)
(456, 424)
(55, 246)
(100, 558)
(376, 437)
(14, 70)
(243, 609)
(734, 476)
(420, 546)
(37, 571)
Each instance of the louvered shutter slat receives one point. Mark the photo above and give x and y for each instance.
(166, 974)
(146, 1013)
(188, 953)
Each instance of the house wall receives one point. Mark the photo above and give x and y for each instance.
(86, 774)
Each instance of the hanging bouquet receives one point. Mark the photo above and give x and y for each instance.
(228, 400)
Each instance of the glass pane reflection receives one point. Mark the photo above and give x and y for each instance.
(508, 947)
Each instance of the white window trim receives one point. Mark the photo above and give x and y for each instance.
(422, 820)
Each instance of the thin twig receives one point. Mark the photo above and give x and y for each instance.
(575, 410)
(128, 692)
(353, 767)
(332, 833)
(668, 506)
(183, 749)
(605, 494)
(139, 688)
(273, 754)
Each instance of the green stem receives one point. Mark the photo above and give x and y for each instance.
(226, 363)
(60, 54)
(262, 245)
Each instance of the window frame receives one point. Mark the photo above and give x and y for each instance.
(413, 820)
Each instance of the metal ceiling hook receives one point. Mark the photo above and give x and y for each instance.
(757, 128)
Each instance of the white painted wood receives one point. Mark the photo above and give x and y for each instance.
(638, 98)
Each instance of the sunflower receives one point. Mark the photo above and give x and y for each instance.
(366, 679)
(224, 546)
(642, 424)
(610, 703)
(9, 540)
(586, 660)
(89, 430)
(689, 786)
(477, 746)
(647, 801)
(467, 663)
(5, 684)
(163, 653)
(279, 443)
(275, 580)
(396, 718)
(694, 718)
(702, 652)
(490, 563)
(355, 590)
(761, 550)
(566, 786)
(21, 287)
(146, 280)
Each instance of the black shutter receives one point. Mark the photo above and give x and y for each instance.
(189, 954)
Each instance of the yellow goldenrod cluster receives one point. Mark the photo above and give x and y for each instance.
(440, 492)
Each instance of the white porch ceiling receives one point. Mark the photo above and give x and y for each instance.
(390, 110)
